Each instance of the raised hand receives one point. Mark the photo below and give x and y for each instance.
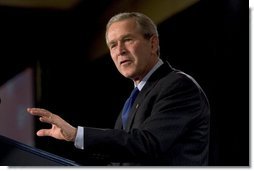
(60, 129)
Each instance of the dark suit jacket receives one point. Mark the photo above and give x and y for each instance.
(168, 125)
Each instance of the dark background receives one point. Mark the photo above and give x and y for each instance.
(209, 40)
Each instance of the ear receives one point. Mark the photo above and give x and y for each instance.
(154, 43)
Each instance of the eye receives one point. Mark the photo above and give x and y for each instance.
(127, 39)
(111, 46)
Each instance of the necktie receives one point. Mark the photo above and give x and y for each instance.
(128, 104)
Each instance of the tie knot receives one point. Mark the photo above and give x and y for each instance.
(134, 93)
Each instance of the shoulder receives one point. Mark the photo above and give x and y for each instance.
(173, 76)
(183, 78)
(168, 79)
(176, 82)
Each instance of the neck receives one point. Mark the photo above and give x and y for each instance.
(146, 71)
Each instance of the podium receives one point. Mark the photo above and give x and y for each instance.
(14, 153)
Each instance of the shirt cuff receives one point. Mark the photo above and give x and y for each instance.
(79, 140)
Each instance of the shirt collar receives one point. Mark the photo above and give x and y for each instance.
(144, 80)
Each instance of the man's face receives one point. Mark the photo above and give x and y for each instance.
(132, 54)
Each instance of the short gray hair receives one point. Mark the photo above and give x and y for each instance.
(145, 24)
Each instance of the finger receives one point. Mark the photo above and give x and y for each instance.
(43, 132)
(49, 119)
(39, 112)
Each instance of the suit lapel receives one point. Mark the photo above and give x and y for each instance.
(151, 82)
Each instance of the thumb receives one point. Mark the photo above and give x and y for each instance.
(43, 132)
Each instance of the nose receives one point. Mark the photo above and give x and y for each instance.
(122, 52)
(121, 49)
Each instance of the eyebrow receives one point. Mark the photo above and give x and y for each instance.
(121, 38)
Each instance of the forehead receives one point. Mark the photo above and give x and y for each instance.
(126, 26)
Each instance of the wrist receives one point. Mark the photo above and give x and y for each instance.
(74, 134)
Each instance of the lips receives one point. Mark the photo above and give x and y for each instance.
(125, 62)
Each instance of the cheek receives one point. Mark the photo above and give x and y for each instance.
(114, 58)
(142, 48)
(112, 55)
(142, 53)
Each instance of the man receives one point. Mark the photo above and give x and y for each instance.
(168, 122)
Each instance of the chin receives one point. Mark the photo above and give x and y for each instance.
(127, 75)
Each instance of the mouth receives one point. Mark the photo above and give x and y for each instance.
(124, 62)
